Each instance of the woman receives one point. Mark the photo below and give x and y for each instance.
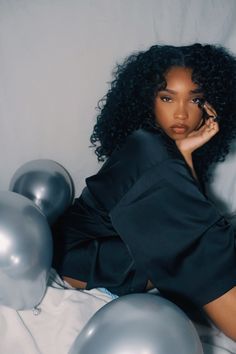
(144, 220)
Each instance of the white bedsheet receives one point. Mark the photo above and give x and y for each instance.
(64, 312)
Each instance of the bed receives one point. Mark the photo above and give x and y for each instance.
(62, 314)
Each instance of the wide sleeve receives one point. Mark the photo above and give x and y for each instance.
(176, 235)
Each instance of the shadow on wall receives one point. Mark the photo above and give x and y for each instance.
(222, 189)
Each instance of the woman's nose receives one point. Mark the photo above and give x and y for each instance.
(181, 112)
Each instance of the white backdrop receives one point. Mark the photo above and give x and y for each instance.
(56, 58)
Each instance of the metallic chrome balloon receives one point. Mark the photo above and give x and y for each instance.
(138, 324)
(47, 184)
(25, 252)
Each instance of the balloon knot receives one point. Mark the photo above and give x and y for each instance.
(36, 311)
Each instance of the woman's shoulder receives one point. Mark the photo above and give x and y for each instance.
(149, 145)
(143, 151)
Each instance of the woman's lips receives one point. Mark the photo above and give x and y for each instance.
(179, 128)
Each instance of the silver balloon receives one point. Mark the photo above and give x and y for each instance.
(25, 252)
(138, 324)
(47, 184)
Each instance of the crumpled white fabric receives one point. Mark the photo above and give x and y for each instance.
(64, 312)
(214, 341)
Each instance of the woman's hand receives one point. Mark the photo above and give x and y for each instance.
(202, 135)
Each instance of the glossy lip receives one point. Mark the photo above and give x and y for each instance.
(183, 126)
(179, 128)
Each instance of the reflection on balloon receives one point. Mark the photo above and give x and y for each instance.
(138, 324)
(47, 184)
(25, 252)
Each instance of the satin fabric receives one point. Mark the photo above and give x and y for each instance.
(144, 216)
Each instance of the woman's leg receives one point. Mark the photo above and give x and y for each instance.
(88, 261)
(76, 283)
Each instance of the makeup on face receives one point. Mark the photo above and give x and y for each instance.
(178, 109)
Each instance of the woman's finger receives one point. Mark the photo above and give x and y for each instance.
(209, 109)
(209, 129)
(212, 126)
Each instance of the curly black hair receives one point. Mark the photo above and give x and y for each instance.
(129, 103)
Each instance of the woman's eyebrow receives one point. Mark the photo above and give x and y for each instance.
(197, 90)
(168, 90)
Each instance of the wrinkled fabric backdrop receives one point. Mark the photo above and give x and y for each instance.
(56, 59)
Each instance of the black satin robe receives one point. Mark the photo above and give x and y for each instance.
(143, 216)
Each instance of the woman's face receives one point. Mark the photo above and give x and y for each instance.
(176, 107)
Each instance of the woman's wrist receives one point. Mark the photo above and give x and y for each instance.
(183, 147)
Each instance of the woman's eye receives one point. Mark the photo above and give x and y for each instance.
(165, 98)
(197, 100)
